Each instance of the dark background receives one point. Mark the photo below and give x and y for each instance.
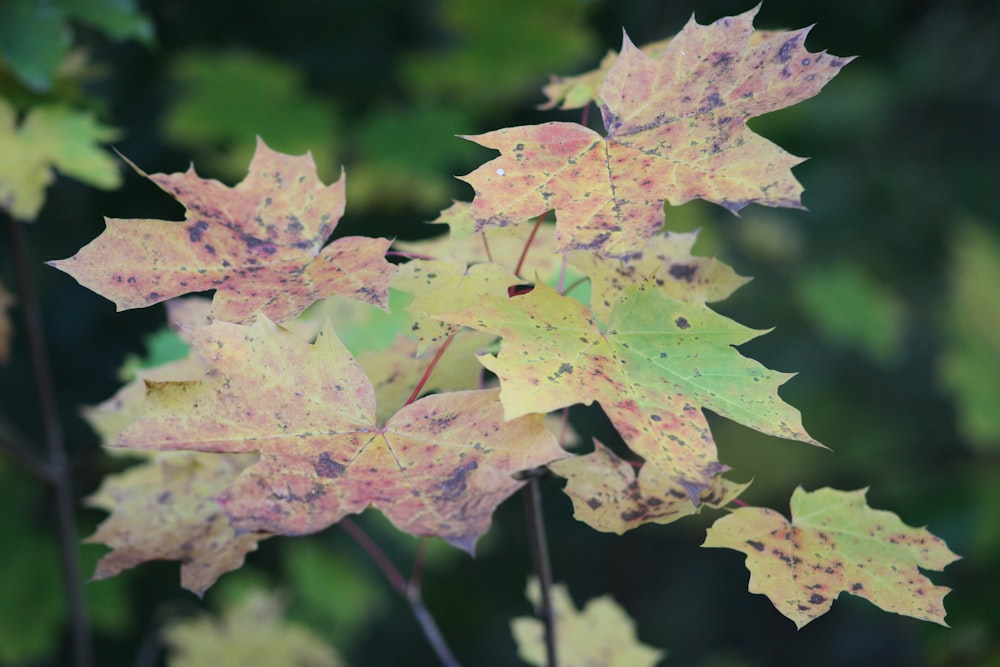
(903, 149)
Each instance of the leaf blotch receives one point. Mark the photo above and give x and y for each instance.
(327, 467)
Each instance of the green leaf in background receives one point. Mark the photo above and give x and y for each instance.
(501, 50)
(32, 598)
(406, 156)
(35, 36)
(34, 40)
(970, 365)
(118, 19)
(335, 591)
(851, 309)
(224, 100)
(50, 138)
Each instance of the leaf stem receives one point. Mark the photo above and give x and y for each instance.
(486, 246)
(430, 369)
(19, 449)
(543, 568)
(527, 244)
(59, 472)
(408, 255)
(409, 590)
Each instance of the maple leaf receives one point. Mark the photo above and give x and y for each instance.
(502, 245)
(50, 138)
(834, 543)
(676, 131)
(652, 369)
(609, 495)
(164, 509)
(259, 245)
(394, 371)
(251, 631)
(667, 260)
(439, 466)
(446, 285)
(601, 634)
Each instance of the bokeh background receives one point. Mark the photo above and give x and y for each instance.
(884, 297)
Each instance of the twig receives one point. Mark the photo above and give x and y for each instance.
(430, 369)
(18, 448)
(527, 244)
(57, 462)
(407, 589)
(540, 556)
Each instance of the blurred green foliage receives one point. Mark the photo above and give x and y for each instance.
(882, 298)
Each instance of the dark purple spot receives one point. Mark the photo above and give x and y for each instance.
(683, 272)
(785, 52)
(453, 487)
(196, 230)
(816, 598)
(682, 323)
(327, 467)
(594, 503)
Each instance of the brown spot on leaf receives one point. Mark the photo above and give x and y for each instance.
(327, 467)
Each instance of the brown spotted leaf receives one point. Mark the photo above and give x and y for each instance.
(835, 543)
(653, 368)
(667, 260)
(610, 495)
(260, 245)
(443, 285)
(438, 467)
(164, 509)
(676, 131)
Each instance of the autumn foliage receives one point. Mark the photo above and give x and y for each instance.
(272, 426)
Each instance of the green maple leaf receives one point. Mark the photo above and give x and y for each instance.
(49, 139)
(653, 368)
(676, 131)
(835, 543)
(437, 467)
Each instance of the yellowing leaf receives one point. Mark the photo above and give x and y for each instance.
(667, 260)
(676, 131)
(164, 509)
(250, 632)
(446, 285)
(576, 92)
(394, 372)
(259, 245)
(49, 139)
(833, 543)
(502, 245)
(602, 634)
(439, 466)
(609, 495)
(653, 368)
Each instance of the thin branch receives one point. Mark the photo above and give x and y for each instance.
(527, 244)
(407, 589)
(430, 369)
(18, 448)
(540, 556)
(408, 255)
(486, 246)
(83, 652)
